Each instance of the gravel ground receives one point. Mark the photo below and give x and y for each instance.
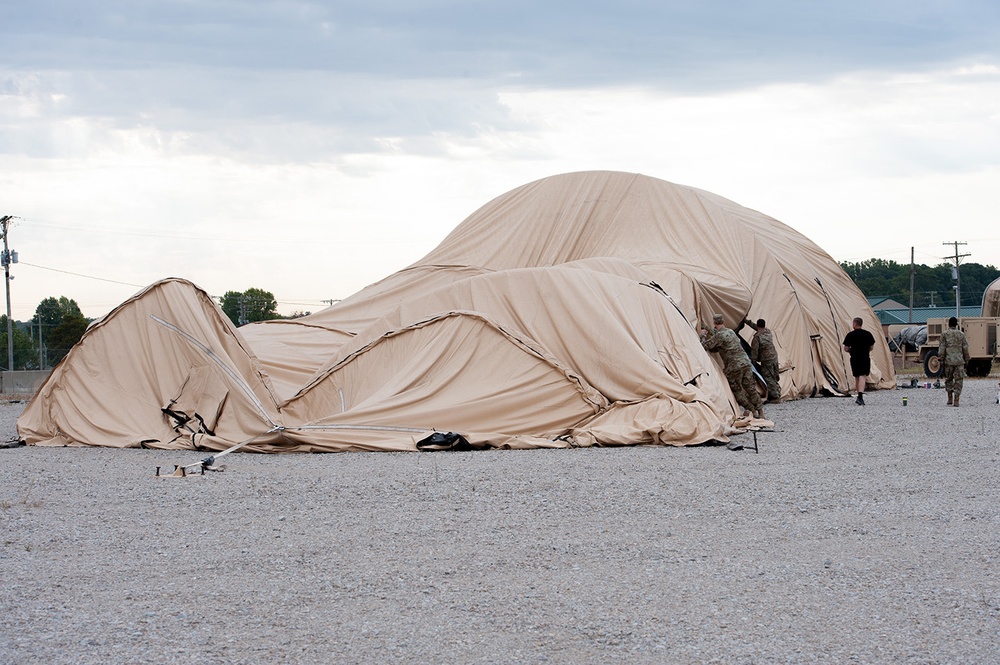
(855, 535)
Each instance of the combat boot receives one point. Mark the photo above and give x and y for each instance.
(950, 398)
(956, 400)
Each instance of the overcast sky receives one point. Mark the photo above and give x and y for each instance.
(312, 148)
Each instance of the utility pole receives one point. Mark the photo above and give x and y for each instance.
(911, 285)
(41, 364)
(958, 277)
(7, 258)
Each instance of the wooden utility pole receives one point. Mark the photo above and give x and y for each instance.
(911, 286)
(4, 225)
(958, 277)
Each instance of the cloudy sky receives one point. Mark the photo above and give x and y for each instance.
(311, 148)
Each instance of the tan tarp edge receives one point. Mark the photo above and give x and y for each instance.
(563, 313)
(991, 299)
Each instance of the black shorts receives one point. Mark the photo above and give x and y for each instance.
(861, 366)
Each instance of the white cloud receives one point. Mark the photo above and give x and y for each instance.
(859, 166)
(310, 149)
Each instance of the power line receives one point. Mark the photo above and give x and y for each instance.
(91, 229)
(316, 301)
(77, 274)
(300, 302)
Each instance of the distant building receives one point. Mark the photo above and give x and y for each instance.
(885, 302)
(900, 317)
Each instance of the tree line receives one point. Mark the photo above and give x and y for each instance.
(58, 324)
(931, 285)
(43, 341)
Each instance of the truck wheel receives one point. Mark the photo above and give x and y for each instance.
(978, 367)
(932, 364)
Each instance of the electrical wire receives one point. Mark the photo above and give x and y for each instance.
(77, 274)
(244, 237)
(317, 303)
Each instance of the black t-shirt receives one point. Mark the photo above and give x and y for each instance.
(859, 342)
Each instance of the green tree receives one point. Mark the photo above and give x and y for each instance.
(65, 335)
(931, 285)
(249, 306)
(50, 312)
(25, 350)
(975, 279)
(878, 277)
(50, 315)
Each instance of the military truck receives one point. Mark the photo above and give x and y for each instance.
(981, 332)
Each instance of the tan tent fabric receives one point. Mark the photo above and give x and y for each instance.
(292, 350)
(563, 313)
(112, 387)
(743, 263)
(991, 299)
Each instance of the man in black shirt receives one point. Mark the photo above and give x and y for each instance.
(859, 343)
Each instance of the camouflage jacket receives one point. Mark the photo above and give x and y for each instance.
(953, 348)
(762, 347)
(727, 344)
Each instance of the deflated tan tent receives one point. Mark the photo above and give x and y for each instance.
(561, 313)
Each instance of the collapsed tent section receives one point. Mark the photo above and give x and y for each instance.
(564, 313)
(710, 254)
(489, 357)
(161, 370)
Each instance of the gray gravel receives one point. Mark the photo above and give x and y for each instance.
(855, 535)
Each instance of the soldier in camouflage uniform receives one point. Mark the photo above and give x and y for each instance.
(764, 354)
(954, 353)
(736, 366)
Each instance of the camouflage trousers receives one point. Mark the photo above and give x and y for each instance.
(744, 388)
(769, 370)
(954, 377)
